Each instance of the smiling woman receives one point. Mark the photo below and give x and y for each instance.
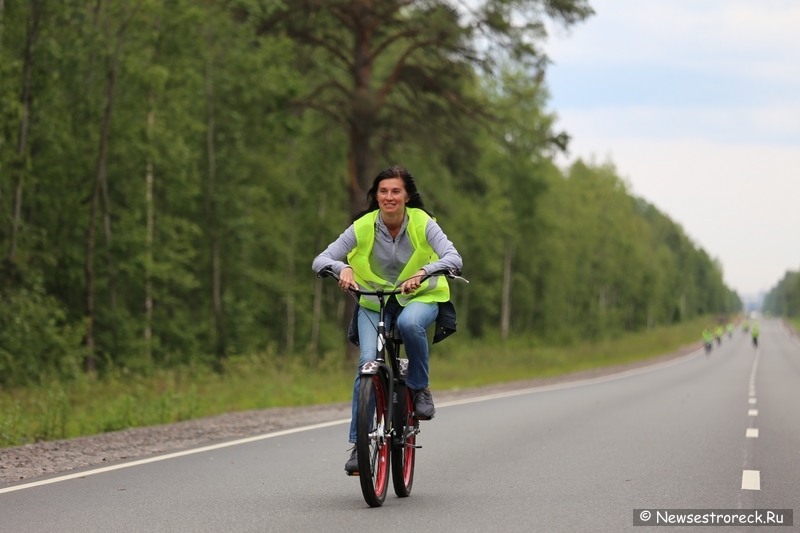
(394, 243)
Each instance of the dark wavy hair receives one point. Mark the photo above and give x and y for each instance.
(410, 184)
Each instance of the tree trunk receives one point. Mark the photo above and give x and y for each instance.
(98, 184)
(217, 341)
(363, 116)
(148, 260)
(112, 293)
(290, 267)
(30, 41)
(317, 312)
(362, 169)
(89, 360)
(93, 58)
(150, 214)
(505, 312)
(290, 314)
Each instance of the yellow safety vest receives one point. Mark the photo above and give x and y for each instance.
(433, 289)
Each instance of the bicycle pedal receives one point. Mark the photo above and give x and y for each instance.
(355, 474)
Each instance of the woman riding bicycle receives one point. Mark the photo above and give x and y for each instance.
(396, 241)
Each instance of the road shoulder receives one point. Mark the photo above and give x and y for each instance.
(48, 458)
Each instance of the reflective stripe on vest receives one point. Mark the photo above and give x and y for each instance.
(433, 289)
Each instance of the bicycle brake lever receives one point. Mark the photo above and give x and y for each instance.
(327, 273)
(455, 273)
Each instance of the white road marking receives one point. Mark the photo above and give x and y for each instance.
(752, 401)
(752, 384)
(752, 412)
(752, 433)
(158, 458)
(487, 397)
(751, 480)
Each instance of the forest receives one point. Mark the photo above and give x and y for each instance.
(784, 298)
(170, 168)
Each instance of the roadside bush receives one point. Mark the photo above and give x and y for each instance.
(36, 342)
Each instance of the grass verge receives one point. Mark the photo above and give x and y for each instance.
(472, 364)
(121, 400)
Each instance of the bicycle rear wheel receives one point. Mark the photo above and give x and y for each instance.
(404, 453)
(372, 444)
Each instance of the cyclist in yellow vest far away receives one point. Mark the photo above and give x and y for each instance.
(395, 242)
(718, 333)
(708, 340)
(755, 333)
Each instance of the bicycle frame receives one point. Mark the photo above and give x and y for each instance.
(371, 368)
(391, 423)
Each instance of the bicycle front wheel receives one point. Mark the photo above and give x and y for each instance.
(404, 453)
(371, 439)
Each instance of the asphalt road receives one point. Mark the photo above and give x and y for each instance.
(574, 457)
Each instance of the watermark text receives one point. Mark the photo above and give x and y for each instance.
(713, 517)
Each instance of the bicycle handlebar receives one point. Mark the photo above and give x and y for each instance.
(451, 273)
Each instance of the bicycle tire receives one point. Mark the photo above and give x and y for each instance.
(373, 448)
(404, 454)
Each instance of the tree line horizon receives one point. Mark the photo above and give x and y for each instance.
(169, 169)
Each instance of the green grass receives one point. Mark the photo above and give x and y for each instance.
(471, 364)
(795, 323)
(121, 400)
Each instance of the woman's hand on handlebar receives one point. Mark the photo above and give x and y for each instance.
(346, 279)
(413, 283)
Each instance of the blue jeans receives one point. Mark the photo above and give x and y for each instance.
(412, 321)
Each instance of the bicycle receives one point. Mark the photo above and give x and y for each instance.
(386, 424)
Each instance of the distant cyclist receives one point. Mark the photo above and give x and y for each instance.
(708, 340)
(730, 330)
(395, 241)
(718, 333)
(755, 334)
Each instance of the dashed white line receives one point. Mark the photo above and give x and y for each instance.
(751, 480)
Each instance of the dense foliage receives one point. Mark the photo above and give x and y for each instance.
(167, 176)
(784, 298)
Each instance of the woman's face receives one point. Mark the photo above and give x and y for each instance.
(392, 196)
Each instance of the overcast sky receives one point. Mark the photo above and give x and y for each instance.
(697, 103)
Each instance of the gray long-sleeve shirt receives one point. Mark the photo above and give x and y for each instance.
(390, 255)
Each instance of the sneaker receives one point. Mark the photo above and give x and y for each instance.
(423, 404)
(351, 466)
